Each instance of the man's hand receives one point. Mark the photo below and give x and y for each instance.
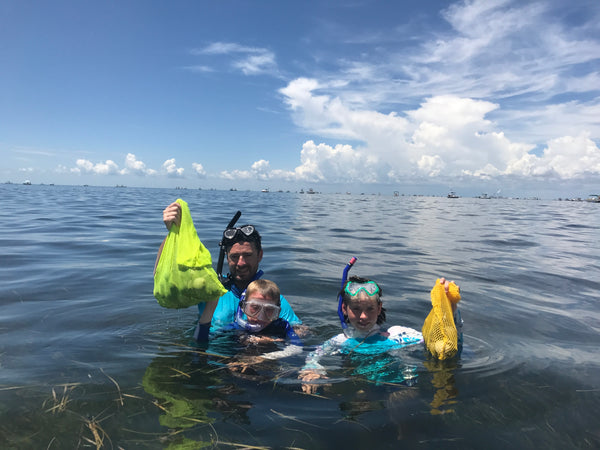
(172, 215)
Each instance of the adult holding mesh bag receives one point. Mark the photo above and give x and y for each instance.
(244, 252)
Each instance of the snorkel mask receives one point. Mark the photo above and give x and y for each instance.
(353, 289)
(252, 308)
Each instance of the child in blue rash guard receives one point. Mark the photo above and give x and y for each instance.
(364, 313)
(257, 318)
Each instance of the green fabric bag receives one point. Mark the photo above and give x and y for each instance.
(184, 274)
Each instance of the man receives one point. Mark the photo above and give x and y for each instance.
(244, 254)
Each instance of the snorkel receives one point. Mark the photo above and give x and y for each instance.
(226, 281)
(340, 296)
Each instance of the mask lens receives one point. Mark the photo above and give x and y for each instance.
(257, 309)
(229, 233)
(247, 230)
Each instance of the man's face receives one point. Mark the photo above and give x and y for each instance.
(243, 260)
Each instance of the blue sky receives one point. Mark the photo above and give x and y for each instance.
(490, 96)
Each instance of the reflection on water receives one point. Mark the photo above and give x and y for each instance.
(88, 358)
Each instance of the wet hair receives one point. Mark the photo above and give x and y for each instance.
(266, 288)
(254, 239)
(346, 297)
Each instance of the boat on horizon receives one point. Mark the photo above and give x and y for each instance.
(593, 198)
(452, 194)
(265, 190)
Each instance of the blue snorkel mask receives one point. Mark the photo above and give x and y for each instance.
(340, 296)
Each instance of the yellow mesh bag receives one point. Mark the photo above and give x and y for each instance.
(439, 330)
(184, 275)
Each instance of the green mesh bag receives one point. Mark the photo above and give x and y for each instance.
(184, 275)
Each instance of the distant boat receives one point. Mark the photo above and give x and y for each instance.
(27, 183)
(233, 189)
(302, 191)
(484, 196)
(310, 191)
(452, 194)
(593, 198)
(265, 190)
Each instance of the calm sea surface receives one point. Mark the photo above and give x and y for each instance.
(88, 358)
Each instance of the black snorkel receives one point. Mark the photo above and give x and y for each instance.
(226, 281)
(341, 296)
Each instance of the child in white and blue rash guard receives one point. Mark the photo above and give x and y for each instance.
(372, 349)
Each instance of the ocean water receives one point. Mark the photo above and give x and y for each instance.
(89, 359)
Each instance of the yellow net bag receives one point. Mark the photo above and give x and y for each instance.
(439, 330)
(184, 275)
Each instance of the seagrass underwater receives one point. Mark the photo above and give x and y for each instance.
(89, 358)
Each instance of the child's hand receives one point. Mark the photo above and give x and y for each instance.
(452, 292)
(307, 376)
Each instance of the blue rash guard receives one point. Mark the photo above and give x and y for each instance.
(228, 304)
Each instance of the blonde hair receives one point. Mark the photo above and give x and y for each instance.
(266, 288)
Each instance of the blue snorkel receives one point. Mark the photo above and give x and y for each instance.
(340, 296)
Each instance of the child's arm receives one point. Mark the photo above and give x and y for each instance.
(312, 369)
(289, 350)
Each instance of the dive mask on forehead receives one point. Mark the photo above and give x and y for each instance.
(230, 233)
(369, 287)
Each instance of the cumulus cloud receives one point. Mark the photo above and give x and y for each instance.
(108, 167)
(171, 169)
(260, 170)
(445, 135)
(137, 167)
(199, 169)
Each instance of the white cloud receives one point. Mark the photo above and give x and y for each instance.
(106, 168)
(199, 169)
(236, 174)
(568, 157)
(137, 167)
(447, 135)
(171, 168)
(256, 64)
(249, 60)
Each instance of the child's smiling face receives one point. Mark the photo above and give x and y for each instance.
(362, 311)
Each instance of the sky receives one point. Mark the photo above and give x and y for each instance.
(482, 96)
